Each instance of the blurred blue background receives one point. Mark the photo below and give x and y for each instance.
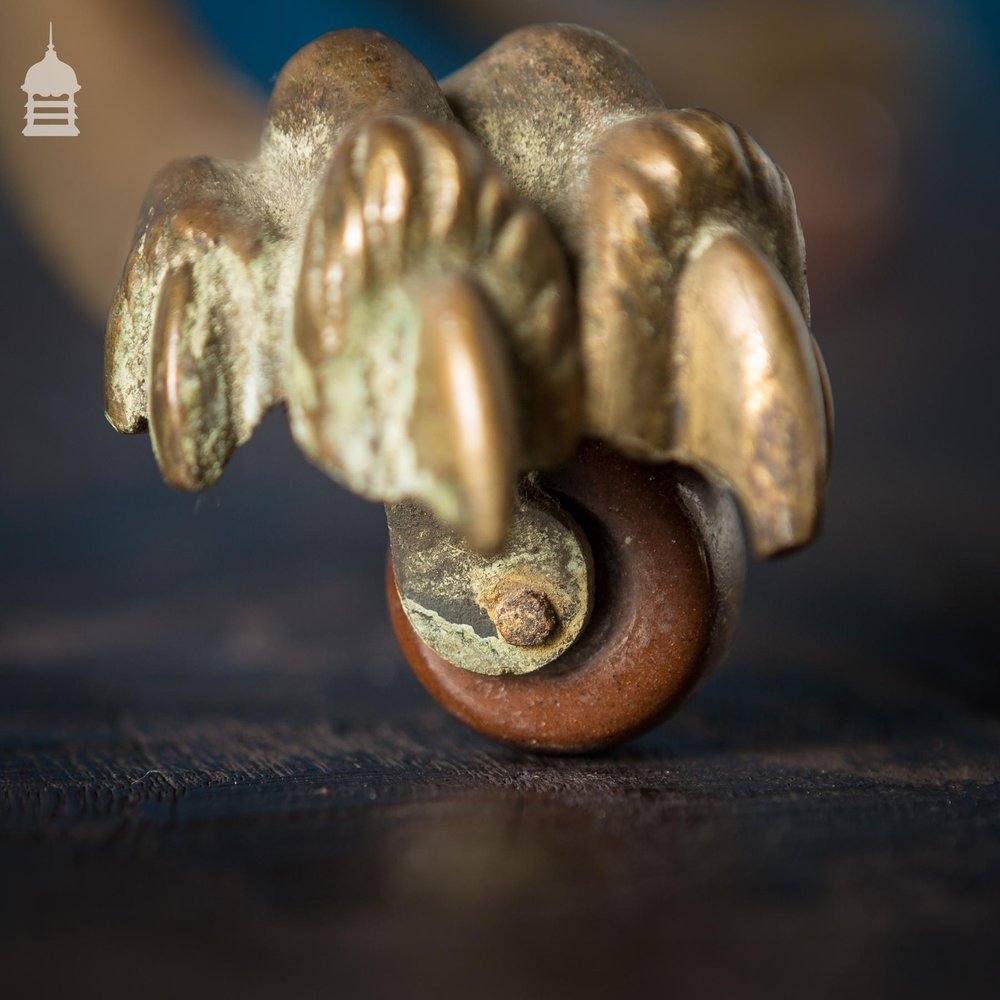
(258, 36)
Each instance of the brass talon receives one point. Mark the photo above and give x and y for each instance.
(518, 308)
(432, 353)
(690, 266)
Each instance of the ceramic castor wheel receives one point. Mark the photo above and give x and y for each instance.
(668, 573)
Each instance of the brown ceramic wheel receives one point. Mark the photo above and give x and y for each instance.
(669, 565)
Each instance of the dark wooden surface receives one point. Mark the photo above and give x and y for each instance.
(218, 777)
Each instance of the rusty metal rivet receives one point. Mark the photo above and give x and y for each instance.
(525, 618)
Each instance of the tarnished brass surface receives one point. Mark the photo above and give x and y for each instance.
(451, 286)
(509, 614)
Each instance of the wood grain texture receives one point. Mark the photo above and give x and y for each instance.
(217, 777)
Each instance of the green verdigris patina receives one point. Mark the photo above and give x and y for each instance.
(507, 614)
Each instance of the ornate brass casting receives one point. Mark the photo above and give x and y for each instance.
(451, 287)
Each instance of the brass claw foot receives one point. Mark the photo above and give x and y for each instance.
(556, 327)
